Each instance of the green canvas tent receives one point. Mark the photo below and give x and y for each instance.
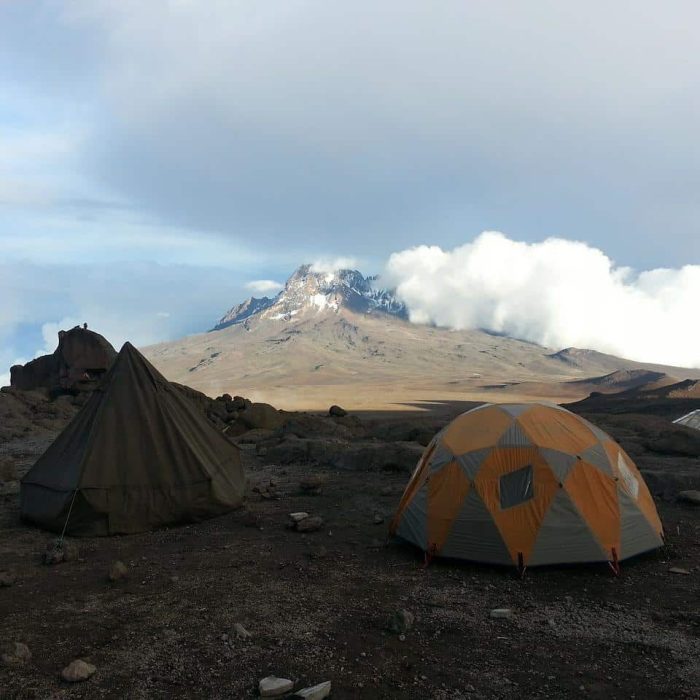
(139, 455)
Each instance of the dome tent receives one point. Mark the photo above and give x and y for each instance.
(530, 485)
(138, 455)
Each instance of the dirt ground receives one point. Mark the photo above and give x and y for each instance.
(318, 605)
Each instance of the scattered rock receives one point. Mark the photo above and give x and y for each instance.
(298, 517)
(15, 653)
(401, 621)
(319, 553)
(241, 632)
(310, 524)
(312, 484)
(678, 570)
(387, 491)
(57, 552)
(315, 692)
(118, 571)
(378, 519)
(77, 671)
(272, 687)
(7, 579)
(692, 497)
(502, 613)
(337, 412)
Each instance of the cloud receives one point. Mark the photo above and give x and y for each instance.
(558, 293)
(372, 122)
(264, 286)
(329, 265)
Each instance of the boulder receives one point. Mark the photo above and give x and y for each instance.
(337, 411)
(262, 415)
(77, 671)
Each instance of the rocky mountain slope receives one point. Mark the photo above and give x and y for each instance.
(334, 338)
(309, 290)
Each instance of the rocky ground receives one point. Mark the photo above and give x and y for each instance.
(326, 605)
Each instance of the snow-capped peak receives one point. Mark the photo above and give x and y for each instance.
(310, 291)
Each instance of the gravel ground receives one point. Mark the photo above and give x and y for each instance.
(318, 604)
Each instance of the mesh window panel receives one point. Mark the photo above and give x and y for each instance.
(516, 488)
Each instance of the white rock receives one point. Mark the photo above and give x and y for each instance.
(502, 613)
(678, 570)
(272, 687)
(241, 632)
(316, 692)
(298, 517)
(77, 671)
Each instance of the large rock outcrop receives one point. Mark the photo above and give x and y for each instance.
(78, 363)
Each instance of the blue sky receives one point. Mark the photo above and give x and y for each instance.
(157, 157)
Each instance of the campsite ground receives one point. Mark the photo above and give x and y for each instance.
(317, 605)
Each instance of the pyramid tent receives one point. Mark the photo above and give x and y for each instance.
(138, 455)
(527, 484)
(690, 420)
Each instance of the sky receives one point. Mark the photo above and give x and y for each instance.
(162, 160)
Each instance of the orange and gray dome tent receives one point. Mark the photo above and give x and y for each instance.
(529, 485)
(138, 455)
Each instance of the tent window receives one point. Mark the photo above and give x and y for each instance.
(516, 488)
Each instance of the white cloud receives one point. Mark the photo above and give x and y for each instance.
(558, 293)
(264, 286)
(329, 265)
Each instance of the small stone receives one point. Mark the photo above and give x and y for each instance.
(77, 671)
(386, 491)
(319, 553)
(118, 571)
(502, 613)
(14, 653)
(241, 632)
(272, 687)
(7, 579)
(298, 517)
(314, 692)
(401, 621)
(378, 519)
(312, 484)
(310, 524)
(691, 497)
(678, 570)
(59, 551)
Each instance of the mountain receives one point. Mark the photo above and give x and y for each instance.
(309, 291)
(335, 338)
